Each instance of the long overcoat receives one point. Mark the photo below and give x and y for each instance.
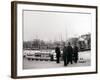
(69, 53)
(65, 53)
(57, 50)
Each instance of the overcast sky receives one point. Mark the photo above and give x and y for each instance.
(54, 25)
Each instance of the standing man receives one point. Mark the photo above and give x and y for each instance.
(65, 55)
(57, 50)
(75, 52)
(69, 52)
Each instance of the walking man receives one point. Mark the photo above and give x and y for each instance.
(57, 50)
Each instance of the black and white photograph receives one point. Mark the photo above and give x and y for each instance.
(54, 39)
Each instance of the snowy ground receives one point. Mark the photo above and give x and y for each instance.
(84, 60)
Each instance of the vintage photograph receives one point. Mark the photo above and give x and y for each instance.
(53, 39)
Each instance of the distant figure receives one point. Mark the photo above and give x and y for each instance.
(69, 53)
(65, 55)
(75, 53)
(57, 50)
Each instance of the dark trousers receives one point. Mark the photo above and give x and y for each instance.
(75, 57)
(58, 60)
(69, 59)
(65, 61)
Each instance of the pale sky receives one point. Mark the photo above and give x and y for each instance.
(54, 25)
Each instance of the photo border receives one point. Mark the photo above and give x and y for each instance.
(14, 37)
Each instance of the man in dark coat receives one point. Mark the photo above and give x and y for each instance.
(57, 50)
(69, 53)
(75, 52)
(65, 55)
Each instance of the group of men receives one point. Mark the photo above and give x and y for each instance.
(69, 54)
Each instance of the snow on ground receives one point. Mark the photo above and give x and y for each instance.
(84, 60)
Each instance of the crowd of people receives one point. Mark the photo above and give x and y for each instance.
(70, 54)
